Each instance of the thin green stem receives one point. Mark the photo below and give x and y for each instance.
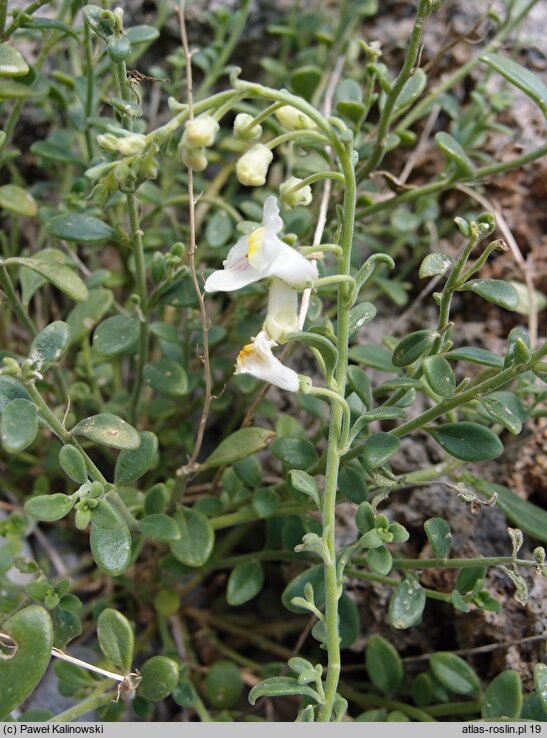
(91, 703)
(305, 135)
(374, 700)
(90, 83)
(15, 302)
(461, 563)
(316, 177)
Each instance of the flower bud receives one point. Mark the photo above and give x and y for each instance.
(293, 119)
(282, 317)
(194, 159)
(252, 167)
(133, 143)
(201, 131)
(294, 198)
(243, 131)
(108, 142)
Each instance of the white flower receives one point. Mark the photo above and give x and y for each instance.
(293, 120)
(201, 131)
(195, 159)
(256, 358)
(300, 197)
(282, 316)
(260, 255)
(241, 128)
(252, 167)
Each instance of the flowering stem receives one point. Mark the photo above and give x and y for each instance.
(316, 177)
(296, 136)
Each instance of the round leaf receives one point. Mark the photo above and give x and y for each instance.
(159, 527)
(12, 63)
(116, 638)
(132, 464)
(49, 345)
(379, 559)
(380, 447)
(86, 315)
(411, 347)
(197, 538)
(73, 463)
(166, 376)
(108, 430)
(468, 441)
(503, 696)
(116, 335)
(540, 683)
(50, 507)
(111, 549)
(439, 536)
(18, 425)
(503, 414)
(407, 604)
(160, 676)
(245, 582)
(494, 290)
(79, 228)
(32, 631)
(16, 200)
(11, 389)
(435, 264)
(384, 665)
(223, 684)
(297, 453)
(454, 673)
(105, 515)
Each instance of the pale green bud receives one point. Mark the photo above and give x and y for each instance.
(201, 131)
(133, 143)
(252, 167)
(108, 142)
(294, 120)
(242, 131)
(296, 198)
(194, 159)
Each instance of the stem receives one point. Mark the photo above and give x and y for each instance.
(374, 700)
(307, 135)
(316, 177)
(89, 88)
(96, 700)
(406, 72)
(461, 563)
(15, 302)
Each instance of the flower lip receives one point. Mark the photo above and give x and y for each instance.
(261, 255)
(257, 359)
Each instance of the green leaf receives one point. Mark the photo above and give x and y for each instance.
(502, 414)
(454, 673)
(411, 347)
(11, 389)
(380, 447)
(18, 201)
(116, 638)
(31, 630)
(458, 602)
(219, 229)
(422, 689)
(322, 346)
(360, 383)
(532, 709)
(238, 445)
(304, 80)
(524, 307)
(281, 687)
(304, 482)
(72, 463)
(455, 154)
(540, 683)
(525, 515)
(439, 375)
(467, 441)
(167, 377)
(407, 603)
(79, 228)
(49, 345)
(386, 412)
(47, 24)
(412, 89)
(531, 84)
(439, 536)
(105, 515)
(360, 315)
(133, 464)
(159, 527)
(467, 578)
(377, 357)
(108, 430)
(95, 19)
(111, 549)
(18, 425)
(53, 152)
(223, 684)
(245, 582)
(12, 63)
(59, 275)
(116, 335)
(294, 452)
(83, 317)
(50, 507)
(503, 697)
(435, 264)
(379, 559)
(493, 290)
(265, 502)
(384, 665)
(475, 355)
(160, 676)
(197, 538)
(295, 588)
(10, 90)
(141, 34)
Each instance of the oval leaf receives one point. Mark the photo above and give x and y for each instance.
(159, 527)
(108, 430)
(439, 375)
(73, 463)
(223, 684)
(116, 335)
(131, 465)
(467, 441)
(245, 582)
(502, 414)
(50, 507)
(407, 603)
(79, 228)
(18, 425)
(531, 84)
(111, 549)
(380, 447)
(540, 683)
(439, 536)
(61, 276)
(116, 638)
(435, 264)
(384, 665)
(281, 687)
(18, 201)
(167, 377)
(11, 389)
(411, 347)
(12, 63)
(49, 345)
(454, 673)
(503, 696)
(159, 677)
(32, 631)
(455, 154)
(238, 445)
(494, 290)
(197, 538)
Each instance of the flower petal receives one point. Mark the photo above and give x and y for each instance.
(257, 359)
(271, 218)
(293, 268)
(228, 280)
(282, 316)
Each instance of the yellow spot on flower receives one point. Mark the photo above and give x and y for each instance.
(246, 351)
(255, 241)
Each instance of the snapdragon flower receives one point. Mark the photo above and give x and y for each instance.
(262, 254)
(282, 315)
(201, 131)
(252, 167)
(257, 359)
(293, 119)
(295, 198)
